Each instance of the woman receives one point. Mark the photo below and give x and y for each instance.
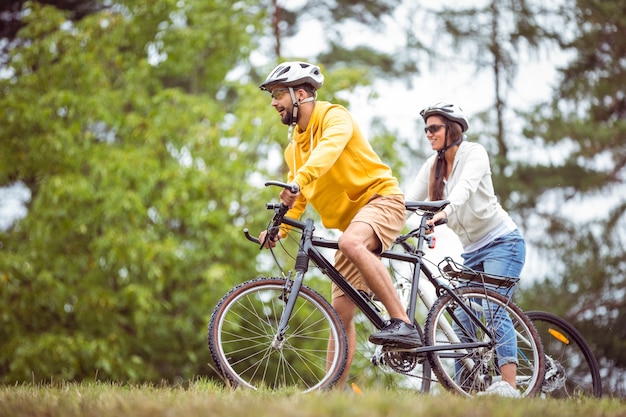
(460, 172)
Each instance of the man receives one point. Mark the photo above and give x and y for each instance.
(339, 173)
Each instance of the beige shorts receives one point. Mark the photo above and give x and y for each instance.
(386, 215)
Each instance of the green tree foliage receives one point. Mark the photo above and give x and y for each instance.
(140, 131)
(585, 125)
(571, 151)
(494, 36)
(123, 127)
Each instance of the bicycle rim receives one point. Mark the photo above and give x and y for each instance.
(243, 344)
(470, 371)
(571, 368)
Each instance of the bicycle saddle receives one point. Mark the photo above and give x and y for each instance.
(431, 206)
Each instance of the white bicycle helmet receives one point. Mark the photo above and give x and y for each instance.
(447, 110)
(291, 74)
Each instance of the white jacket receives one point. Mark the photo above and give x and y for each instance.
(474, 212)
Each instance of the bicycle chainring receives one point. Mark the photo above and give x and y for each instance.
(401, 362)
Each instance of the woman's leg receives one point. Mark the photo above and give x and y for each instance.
(504, 256)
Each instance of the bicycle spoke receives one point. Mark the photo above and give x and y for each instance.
(470, 370)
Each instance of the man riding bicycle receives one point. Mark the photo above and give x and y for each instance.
(338, 172)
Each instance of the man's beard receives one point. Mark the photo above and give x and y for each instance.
(287, 118)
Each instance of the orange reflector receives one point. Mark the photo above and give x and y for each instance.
(559, 336)
(356, 389)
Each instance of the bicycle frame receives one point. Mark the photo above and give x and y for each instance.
(424, 287)
(308, 251)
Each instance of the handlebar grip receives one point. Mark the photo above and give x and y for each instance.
(291, 187)
(251, 238)
(294, 188)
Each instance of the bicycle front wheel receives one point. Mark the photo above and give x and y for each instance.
(248, 352)
(572, 370)
(467, 369)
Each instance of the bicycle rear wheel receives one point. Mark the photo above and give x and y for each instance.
(572, 370)
(243, 343)
(470, 370)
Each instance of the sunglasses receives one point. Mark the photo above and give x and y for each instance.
(433, 128)
(279, 93)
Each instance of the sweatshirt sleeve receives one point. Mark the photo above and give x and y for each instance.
(473, 167)
(336, 128)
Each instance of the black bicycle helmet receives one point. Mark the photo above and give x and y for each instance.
(447, 110)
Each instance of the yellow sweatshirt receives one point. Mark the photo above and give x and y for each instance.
(335, 166)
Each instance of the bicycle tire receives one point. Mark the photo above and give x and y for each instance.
(241, 336)
(572, 370)
(469, 372)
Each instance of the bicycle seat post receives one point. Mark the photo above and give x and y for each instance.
(419, 252)
(421, 237)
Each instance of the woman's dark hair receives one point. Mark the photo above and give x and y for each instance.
(454, 136)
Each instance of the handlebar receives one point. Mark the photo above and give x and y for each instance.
(430, 208)
(291, 187)
(279, 213)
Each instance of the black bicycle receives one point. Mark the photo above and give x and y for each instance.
(276, 332)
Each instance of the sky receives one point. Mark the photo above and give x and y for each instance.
(13, 201)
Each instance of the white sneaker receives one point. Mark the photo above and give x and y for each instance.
(503, 389)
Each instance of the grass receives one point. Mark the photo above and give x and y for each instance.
(211, 399)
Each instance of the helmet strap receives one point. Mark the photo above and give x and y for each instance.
(294, 112)
(293, 118)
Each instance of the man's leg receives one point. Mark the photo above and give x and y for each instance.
(346, 310)
(358, 243)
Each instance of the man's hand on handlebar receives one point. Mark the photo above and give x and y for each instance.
(269, 243)
(288, 197)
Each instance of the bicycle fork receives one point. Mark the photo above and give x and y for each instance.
(292, 289)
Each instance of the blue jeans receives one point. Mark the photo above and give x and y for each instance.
(504, 256)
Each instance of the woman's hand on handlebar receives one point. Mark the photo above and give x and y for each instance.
(439, 218)
(269, 243)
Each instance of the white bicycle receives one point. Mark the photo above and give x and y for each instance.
(571, 369)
